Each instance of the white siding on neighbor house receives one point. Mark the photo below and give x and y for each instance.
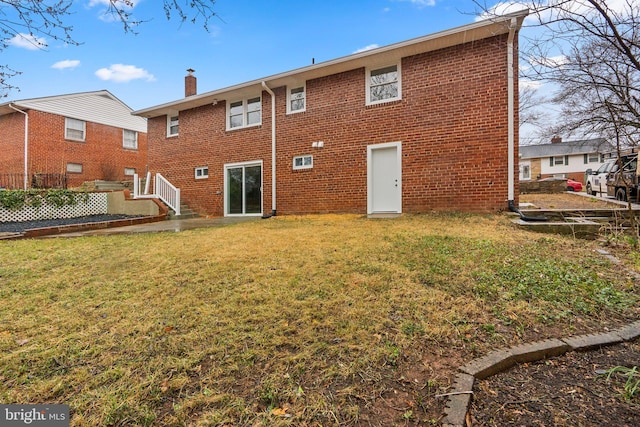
(97, 107)
(576, 164)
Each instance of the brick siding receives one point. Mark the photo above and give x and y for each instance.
(451, 121)
(101, 154)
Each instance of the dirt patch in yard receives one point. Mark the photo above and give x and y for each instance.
(571, 390)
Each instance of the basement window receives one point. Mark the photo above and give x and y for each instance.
(129, 171)
(202, 172)
(303, 162)
(74, 167)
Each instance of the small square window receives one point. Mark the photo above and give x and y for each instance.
(383, 84)
(303, 162)
(202, 172)
(129, 171)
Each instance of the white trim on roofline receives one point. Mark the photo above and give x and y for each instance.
(375, 57)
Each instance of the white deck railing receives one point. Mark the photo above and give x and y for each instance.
(163, 190)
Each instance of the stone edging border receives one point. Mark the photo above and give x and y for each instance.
(459, 399)
(497, 361)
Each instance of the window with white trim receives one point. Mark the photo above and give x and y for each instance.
(74, 129)
(244, 113)
(383, 84)
(303, 162)
(172, 124)
(74, 167)
(129, 171)
(130, 139)
(296, 99)
(202, 172)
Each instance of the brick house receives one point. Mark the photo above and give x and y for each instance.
(87, 136)
(422, 125)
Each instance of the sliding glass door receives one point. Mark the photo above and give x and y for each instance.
(243, 189)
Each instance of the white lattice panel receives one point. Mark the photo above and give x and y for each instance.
(95, 205)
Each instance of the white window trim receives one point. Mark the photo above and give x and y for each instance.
(225, 185)
(202, 169)
(169, 116)
(135, 141)
(289, 89)
(244, 113)
(310, 166)
(66, 128)
(368, 84)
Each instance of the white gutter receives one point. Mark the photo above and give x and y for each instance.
(26, 143)
(511, 110)
(273, 147)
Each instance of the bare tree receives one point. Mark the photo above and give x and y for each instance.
(36, 19)
(590, 51)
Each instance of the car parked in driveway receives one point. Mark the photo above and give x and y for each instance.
(596, 181)
(574, 185)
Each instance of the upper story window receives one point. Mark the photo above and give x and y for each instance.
(244, 113)
(172, 125)
(75, 129)
(130, 139)
(383, 84)
(559, 161)
(296, 99)
(592, 158)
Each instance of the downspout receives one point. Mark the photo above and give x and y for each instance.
(511, 126)
(273, 148)
(26, 143)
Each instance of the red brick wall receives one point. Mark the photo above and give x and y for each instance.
(12, 143)
(101, 154)
(451, 121)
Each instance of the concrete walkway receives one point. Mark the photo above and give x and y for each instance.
(173, 225)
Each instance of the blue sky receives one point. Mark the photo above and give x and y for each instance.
(252, 39)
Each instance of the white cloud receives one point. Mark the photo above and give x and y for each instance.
(121, 73)
(551, 61)
(67, 63)
(530, 84)
(366, 48)
(421, 3)
(27, 41)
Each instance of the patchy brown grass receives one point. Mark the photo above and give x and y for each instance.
(315, 320)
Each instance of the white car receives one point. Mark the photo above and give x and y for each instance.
(597, 180)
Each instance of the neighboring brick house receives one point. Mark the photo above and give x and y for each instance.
(563, 159)
(87, 136)
(422, 125)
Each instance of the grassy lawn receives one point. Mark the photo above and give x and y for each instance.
(305, 321)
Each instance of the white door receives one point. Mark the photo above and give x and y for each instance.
(384, 178)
